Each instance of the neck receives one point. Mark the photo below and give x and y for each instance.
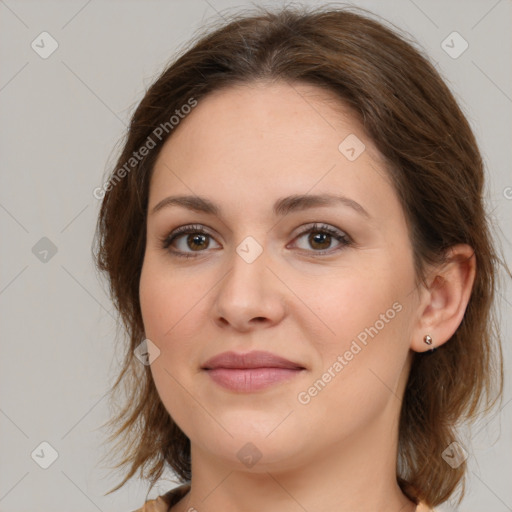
(358, 475)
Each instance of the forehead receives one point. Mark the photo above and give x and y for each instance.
(262, 139)
(260, 112)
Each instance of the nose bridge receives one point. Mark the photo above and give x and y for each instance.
(248, 269)
(249, 289)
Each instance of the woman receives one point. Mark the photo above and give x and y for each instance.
(295, 232)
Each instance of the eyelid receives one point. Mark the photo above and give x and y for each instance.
(340, 235)
(320, 226)
(183, 230)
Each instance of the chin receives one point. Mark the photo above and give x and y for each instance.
(255, 444)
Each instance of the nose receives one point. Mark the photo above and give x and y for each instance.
(250, 295)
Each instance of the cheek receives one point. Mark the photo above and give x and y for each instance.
(366, 322)
(174, 308)
(167, 305)
(350, 304)
(167, 300)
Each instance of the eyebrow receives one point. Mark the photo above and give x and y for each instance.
(282, 206)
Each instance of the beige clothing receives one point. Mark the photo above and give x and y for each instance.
(164, 502)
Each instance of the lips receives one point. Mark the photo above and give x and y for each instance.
(255, 359)
(254, 371)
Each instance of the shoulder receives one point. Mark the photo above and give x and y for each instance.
(164, 502)
(170, 498)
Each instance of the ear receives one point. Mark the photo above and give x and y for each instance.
(443, 303)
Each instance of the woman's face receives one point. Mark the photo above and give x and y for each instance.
(340, 304)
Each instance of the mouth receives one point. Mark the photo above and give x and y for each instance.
(250, 372)
(251, 379)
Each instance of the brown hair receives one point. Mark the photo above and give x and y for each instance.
(433, 159)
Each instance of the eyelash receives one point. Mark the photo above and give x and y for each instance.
(193, 229)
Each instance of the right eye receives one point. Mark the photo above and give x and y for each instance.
(196, 239)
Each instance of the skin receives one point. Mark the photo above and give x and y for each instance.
(243, 148)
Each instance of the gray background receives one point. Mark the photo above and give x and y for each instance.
(61, 119)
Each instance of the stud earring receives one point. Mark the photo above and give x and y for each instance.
(428, 339)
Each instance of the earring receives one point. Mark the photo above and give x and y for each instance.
(428, 340)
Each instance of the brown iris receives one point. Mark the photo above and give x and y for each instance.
(316, 237)
(197, 238)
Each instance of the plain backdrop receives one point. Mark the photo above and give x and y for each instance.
(61, 117)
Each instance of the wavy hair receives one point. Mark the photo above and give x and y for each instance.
(432, 158)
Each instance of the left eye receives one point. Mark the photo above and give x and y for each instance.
(322, 236)
(197, 239)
